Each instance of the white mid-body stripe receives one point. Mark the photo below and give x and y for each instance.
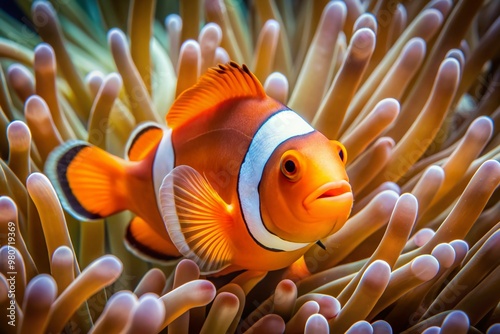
(164, 161)
(277, 129)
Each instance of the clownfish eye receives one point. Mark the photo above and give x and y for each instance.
(341, 151)
(290, 166)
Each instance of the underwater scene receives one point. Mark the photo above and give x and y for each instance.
(265, 166)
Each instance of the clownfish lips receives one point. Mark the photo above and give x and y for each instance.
(330, 200)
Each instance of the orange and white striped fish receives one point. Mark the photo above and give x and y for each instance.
(236, 180)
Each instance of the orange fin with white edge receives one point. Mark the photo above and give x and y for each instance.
(145, 138)
(217, 85)
(198, 220)
(146, 243)
(89, 181)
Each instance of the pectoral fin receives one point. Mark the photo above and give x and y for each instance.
(198, 220)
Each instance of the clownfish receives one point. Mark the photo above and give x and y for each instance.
(235, 180)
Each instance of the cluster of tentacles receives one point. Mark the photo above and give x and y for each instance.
(410, 87)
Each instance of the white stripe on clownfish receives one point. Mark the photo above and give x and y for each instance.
(278, 128)
(164, 161)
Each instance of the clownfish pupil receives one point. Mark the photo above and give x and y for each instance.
(340, 150)
(290, 166)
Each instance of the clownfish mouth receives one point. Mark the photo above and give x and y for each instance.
(331, 189)
(329, 199)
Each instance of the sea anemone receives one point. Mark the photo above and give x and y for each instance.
(410, 87)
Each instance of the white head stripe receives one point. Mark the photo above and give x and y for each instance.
(277, 129)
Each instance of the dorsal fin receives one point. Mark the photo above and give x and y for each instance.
(143, 139)
(217, 85)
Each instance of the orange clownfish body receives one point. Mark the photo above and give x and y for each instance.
(236, 181)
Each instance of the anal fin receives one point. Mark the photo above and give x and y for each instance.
(146, 243)
(198, 220)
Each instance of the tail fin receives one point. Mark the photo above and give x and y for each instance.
(90, 182)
